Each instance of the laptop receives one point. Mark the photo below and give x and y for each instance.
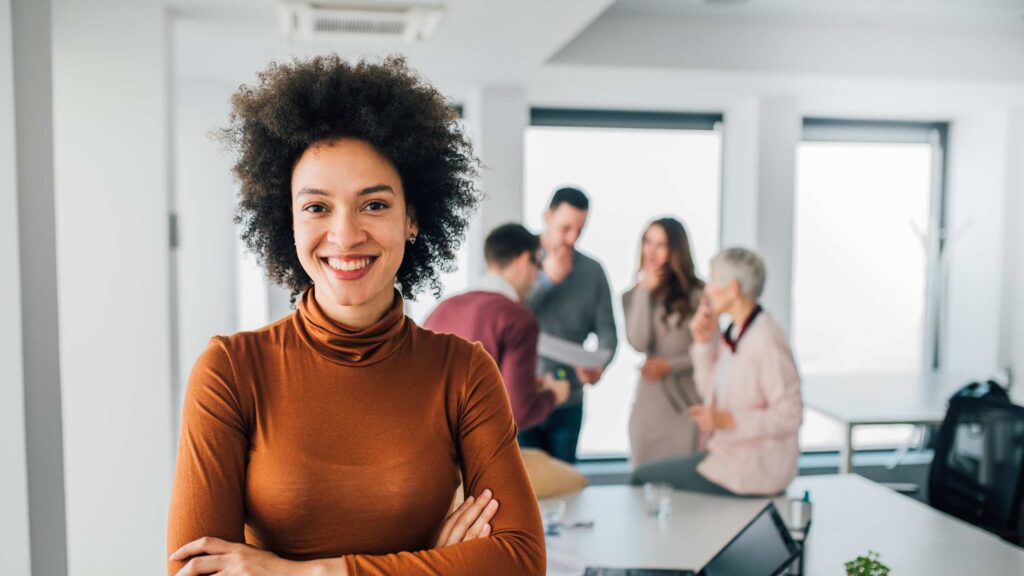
(763, 548)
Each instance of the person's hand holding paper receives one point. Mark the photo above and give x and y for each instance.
(589, 365)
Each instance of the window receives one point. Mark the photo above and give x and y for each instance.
(635, 167)
(869, 210)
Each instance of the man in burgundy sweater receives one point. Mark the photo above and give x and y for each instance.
(493, 314)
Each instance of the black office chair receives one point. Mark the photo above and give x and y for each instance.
(977, 473)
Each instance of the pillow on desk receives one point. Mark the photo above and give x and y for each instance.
(550, 476)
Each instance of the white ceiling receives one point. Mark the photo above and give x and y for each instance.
(477, 41)
(1004, 15)
(495, 42)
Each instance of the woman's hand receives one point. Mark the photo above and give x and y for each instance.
(704, 324)
(708, 419)
(654, 369)
(650, 277)
(216, 556)
(471, 520)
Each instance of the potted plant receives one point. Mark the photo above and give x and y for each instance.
(866, 566)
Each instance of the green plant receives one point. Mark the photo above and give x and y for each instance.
(866, 566)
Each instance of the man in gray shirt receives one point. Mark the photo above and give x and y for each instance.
(571, 300)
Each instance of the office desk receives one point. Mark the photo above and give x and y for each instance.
(625, 536)
(853, 515)
(878, 399)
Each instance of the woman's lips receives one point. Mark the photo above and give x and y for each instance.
(349, 268)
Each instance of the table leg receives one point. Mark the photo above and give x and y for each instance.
(846, 450)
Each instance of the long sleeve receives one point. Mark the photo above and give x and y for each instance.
(781, 387)
(208, 498)
(681, 362)
(490, 459)
(530, 406)
(704, 356)
(604, 318)
(636, 308)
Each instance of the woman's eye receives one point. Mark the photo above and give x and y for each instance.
(315, 208)
(376, 205)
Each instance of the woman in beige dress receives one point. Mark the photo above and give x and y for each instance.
(657, 309)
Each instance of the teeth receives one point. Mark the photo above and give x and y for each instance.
(348, 265)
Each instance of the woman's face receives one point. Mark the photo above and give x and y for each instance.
(721, 297)
(654, 248)
(350, 221)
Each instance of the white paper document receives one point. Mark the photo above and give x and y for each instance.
(571, 353)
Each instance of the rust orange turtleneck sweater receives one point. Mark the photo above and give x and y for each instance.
(314, 441)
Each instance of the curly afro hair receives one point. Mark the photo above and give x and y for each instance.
(306, 102)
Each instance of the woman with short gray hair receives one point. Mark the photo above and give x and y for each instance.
(749, 383)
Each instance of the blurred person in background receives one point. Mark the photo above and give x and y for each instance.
(572, 300)
(493, 314)
(750, 386)
(657, 310)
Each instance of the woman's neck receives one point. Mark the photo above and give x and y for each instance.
(360, 316)
(740, 311)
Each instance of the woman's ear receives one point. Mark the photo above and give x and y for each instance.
(410, 222)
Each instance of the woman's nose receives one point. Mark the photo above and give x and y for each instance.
(346, 230)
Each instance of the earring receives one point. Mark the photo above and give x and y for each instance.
(412, 239)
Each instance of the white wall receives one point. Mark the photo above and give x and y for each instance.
(112, 144)
(207, 287)
(779, 129)
(498, 116)
(1012, 339)
(31, 33)
(14, 521)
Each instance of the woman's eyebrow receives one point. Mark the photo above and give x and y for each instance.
(365, 191)
(375, 189)
(312, 191)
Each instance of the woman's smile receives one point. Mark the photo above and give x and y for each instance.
(349, 267)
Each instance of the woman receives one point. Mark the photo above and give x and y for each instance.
(332, 441)
(657, 310)
(752, 408)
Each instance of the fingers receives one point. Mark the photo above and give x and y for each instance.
(477, 530)
(461, 526)
(449, 522)
(202, 565)
(204, 545)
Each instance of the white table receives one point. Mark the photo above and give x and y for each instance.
(625, 536)
(879, 399)
(851, 516)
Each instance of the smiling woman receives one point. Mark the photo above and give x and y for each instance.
(332, 441)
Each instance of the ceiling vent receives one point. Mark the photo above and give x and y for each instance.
(327, 22)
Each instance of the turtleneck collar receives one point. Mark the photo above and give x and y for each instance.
(349, 347)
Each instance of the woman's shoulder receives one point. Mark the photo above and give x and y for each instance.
(767, 330)
(272, 335)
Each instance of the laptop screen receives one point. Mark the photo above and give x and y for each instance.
(763, 548)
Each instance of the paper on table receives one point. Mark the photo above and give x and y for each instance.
(571, 353)
(561, 564)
